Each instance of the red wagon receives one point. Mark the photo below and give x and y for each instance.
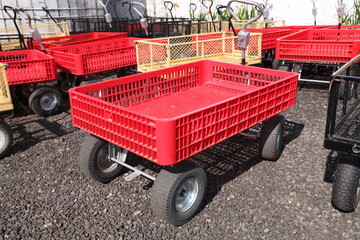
(26, 69)
(168, 115)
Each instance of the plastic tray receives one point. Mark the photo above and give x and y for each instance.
(94, 57)
(28, 66)
(78, 39)
(321, 45)
(220, 46)
(170, 114)
(269, 36)
(5, 96)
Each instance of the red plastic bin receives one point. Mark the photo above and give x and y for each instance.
(94, 57)
(28, 66)
(269, 36)
(320, 45)
(170, 114)
(78, 39)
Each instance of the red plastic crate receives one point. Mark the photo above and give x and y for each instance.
(78, 39)
(269, 36)
(321, 45)
(94, 57)
(170, 114)
(28, 66)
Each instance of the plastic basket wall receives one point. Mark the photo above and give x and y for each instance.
(28, 66)
(5, 96)
(12, 42)
(321, 45)
(46, 30)
(269, 36)
(256, 24)
(170, 114)
(94, 57)
(220, 46)
(78, 39)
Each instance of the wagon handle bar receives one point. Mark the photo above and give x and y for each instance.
(129, 9)
(52, 18)
(104, 5)
(345, 67)
(209, 8)
(21, 37)
(28, 21)
(258, 6)
(169, 8)
(11, 8)
(221, 13)
(141, 14)
(192, 9)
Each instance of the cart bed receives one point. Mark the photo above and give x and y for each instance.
(320, 45)
(350, 128)
(170, 114)
(28, 66)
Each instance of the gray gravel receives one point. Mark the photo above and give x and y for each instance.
(43, 194)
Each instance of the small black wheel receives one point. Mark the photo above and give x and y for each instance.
(6, 139)
(271, 138)
(275, 64)
(94, 160)
(46, 101)
(178, 192)
(346, 191)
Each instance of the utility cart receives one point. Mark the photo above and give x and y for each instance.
(168, 115)
(343, 134)
(316, 53)
(5, 105)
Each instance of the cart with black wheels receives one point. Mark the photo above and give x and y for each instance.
(5, 106)
(168, 115)
(343, 134)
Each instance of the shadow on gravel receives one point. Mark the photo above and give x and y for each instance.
(226, 160)
(30, 130)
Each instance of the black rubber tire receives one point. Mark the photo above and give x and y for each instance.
(169, 186)
(271, 138)
(93, 152)
(346, 192)
(275, 64)
(6, 139)
(46, 101)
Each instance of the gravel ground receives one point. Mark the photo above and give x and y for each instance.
(43, 194)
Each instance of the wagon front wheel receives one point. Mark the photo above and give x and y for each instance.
(346, 188)
(178, 192)
(271, 138)
(94, 160)
(6, 139)
(46, 101)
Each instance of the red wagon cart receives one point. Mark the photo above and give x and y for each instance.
(168, 115)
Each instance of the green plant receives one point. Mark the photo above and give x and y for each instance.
(202, 16)
(244, 13)
(352, 17)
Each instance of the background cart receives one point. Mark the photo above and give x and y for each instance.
(343, 134)
(168, 115)
(5, 105)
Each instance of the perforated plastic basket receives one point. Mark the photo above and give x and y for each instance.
(28, 66)
(320, 45)
(5, 96)
(269, 36)
(78, 39)
(170, 114)
(219, 46)
(94, 57)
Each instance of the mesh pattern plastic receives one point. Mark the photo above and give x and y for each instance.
(171, 114)
(220, 46)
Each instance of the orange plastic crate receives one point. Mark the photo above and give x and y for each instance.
(94, 57)
(78, 39)
(170, 114)
(320, 45)
(28, 66)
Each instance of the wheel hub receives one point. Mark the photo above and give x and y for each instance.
(103, 161)
(186, 195)
(48, 101)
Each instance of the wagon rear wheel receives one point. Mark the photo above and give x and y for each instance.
(46, 101)
(271, 138)
(346, 191)
(178, 192)
(94, 160)
(6, 139)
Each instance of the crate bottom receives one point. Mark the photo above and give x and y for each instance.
(191, 100)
